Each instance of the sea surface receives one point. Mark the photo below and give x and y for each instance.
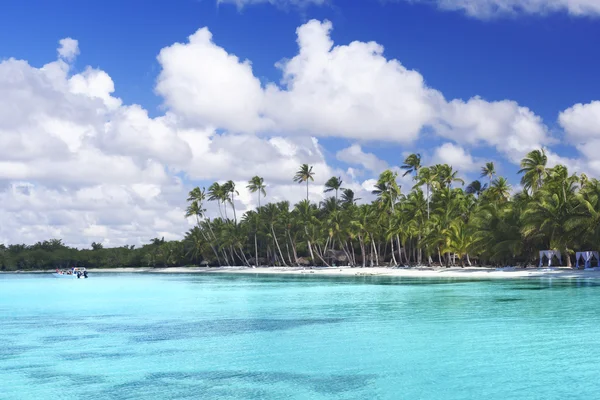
(156, 336)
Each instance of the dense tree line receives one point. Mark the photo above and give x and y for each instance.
(439, 220)
(54, 254)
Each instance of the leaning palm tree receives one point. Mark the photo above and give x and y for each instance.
(195, 199)
(229, 193)
(215, 193)
(489, 171)
(257, 185)
(412, 163)
(533, 168)
(333, 184)
(304, 174)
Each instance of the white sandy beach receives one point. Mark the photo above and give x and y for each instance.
(415, 272)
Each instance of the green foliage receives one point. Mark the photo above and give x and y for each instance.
(436, 221)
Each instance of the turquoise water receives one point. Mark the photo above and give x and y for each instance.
(120, 336)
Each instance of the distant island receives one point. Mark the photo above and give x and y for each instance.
(438, 221)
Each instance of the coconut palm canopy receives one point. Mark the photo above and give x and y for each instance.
(435, 221)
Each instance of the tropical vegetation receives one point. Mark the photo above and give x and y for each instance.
(438, 219)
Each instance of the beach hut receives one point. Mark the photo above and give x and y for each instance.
(549, 254)
(586, 257)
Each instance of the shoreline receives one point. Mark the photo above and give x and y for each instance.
(414, 272)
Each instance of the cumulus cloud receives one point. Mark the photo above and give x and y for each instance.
(486, 9)
(354, 155)
(511, 129)
(351, 91)
(581, 121)
(69, 49)
(455, 155)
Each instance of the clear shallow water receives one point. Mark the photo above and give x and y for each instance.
(119, 336)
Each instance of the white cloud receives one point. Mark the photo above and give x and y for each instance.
(202, 82)
(581, 121)
(354, 155)
(77, 163)
(349, 91)
(512, 129)
(485, 9)
(456, 156)
(69, 49)
(280, 3)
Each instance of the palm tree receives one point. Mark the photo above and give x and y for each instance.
(475, 188)
(500, 189)
(230, 192)
(412, 163)
(333, 184)
(348, 197)
(215, 193)
(195, 199)
(489, 171)
(533, 168)
(426, 177)
(257, 185)
(304, 174)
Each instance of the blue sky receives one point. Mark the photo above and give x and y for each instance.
(542, 59)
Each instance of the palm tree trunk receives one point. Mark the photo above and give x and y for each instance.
(231, 252)
(208, 241)
(320, 257)
(255, 250)
(293, 248)
(362, 251)
(233, 206)
(307, 191)
(256, 231)
(427, 188)
(393, 255)
(277, 244)
(287, 249)
(376, 253)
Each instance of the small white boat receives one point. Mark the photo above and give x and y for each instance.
(73, 273)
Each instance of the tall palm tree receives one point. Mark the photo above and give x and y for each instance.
(304, 174)
(426, 176)
(257, 185)
(333, 184)
(489, 171)
(215, 193)
(533, 168)
(412, 164)
(230, 192)
(195, 199)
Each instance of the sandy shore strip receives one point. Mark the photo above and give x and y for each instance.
(413, 272)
